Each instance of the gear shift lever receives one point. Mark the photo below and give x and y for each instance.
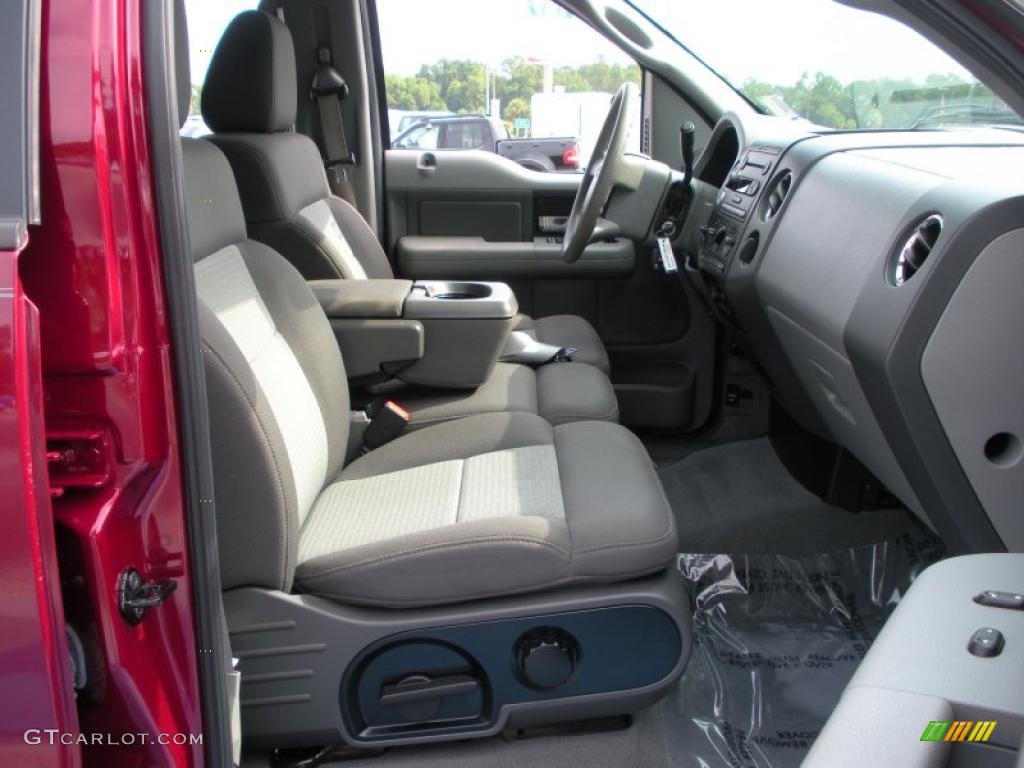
(687, 131)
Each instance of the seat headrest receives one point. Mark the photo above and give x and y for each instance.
(182, 70)
(250, 85)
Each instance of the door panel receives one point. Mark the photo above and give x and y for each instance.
(413, 178)
(493, 221)
(643, 308)
(481, 258)
(451, 216)
(476, 216)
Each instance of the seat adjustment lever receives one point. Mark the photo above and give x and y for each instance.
(420, 687)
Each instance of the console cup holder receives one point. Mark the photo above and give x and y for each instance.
(460, 291)
(459, 299)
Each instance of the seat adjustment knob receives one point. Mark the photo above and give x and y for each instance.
(547, 657)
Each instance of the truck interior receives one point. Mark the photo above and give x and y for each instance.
(706, 454)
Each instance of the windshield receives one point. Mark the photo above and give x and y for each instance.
(835, 66)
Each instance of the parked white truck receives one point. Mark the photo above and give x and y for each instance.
(578, 114)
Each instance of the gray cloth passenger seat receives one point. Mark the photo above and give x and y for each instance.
(249, 102)
(474, 508)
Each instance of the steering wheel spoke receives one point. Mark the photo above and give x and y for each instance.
(607, 167)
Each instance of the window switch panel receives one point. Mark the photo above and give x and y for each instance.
(1014, 601)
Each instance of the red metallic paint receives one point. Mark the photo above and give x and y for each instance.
(93, 270)
(33, 648)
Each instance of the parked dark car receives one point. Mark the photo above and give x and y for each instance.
(489, 134)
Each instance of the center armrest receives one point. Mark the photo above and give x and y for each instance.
(362, 298)
(434, 333)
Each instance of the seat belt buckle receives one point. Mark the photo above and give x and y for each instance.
(565, 355)
(388, 420)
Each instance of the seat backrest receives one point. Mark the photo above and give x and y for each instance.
(249, 102)
(277, 390)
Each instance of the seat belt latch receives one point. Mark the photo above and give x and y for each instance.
(387, 421)
(564, 355)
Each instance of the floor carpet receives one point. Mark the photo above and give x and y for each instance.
(739, 498)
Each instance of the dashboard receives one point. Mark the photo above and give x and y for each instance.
(876, 278)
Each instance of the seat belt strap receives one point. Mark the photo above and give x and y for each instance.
(335, 143)
(329, 89)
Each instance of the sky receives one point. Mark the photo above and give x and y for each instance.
(207, 20)
(776, 41)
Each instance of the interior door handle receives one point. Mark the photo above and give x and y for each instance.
(427, 162)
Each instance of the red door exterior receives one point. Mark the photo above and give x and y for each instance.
(33, 649)
(106, 404)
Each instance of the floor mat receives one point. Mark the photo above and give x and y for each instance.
(738, 497)
(775, 641)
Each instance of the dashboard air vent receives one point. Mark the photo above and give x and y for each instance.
(776, 196)
(913, 253)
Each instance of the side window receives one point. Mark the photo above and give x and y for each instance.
(465, 134)
(540, 74)
(206, 23)
(421, 136)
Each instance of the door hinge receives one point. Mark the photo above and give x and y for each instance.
(135, 595)
(78, 458)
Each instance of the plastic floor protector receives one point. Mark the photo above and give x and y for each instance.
(776, 639)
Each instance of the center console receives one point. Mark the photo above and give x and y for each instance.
(434, 333)
(733, 210)
(466, 324)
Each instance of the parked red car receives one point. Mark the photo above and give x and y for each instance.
(288, 478)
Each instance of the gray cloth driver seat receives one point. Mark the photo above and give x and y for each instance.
(249, 102)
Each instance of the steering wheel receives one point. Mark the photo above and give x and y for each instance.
(600, 177)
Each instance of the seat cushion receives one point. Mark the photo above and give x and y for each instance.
(560, 393)
(568, 392)
(510, 387)
(485, 506)
(569, 331)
